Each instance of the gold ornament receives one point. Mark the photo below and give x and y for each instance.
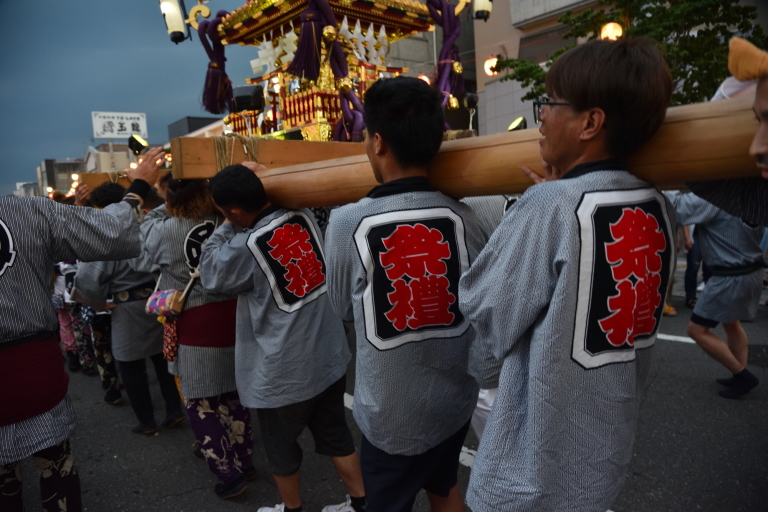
(329, 33)
(458, 68)
(227, 120)
(453, 103)
(345, 85)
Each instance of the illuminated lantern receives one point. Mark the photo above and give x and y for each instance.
(483, 9)
(490, 63)
(174, 14)
(611, 31)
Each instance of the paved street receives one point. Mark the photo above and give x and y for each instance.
(694, 452)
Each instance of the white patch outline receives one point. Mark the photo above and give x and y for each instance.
(589, 204)
(261, 258)
(366, 256)
(202, 246)
(10, 248)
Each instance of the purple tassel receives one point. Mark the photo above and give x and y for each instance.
(306, 61)
(306, 64)
(447, 81)
(217, 93)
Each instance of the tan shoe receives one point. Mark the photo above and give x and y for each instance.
(669, 310)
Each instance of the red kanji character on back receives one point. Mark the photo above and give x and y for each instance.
(414, 251)
(291, 247)
(431, 301)
(289, 242)
(296, 284)
(648, 300)
(618, 326)
(419, 253)
(638, 242)
(635, 258)
(401, 307)
(311, 271)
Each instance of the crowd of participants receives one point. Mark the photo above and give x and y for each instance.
(550, 379)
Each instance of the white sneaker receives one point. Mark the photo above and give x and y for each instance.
(700, 288)
(276, 508)
(341, 507)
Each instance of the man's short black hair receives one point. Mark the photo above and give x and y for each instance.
(408, 115)
(628, 79)
(237, 186)
(152, 200)
(107, 194)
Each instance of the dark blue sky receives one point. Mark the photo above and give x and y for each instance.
(62, 60)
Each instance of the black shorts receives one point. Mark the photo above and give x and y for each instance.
(323, 414)
(393, 481)
(706, 322)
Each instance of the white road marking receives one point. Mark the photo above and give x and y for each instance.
(669, 337)
(467, 456)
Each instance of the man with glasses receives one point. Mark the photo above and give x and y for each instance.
(592, 251)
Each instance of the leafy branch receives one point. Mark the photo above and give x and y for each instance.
(692, 34)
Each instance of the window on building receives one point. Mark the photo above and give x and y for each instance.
(539, 47)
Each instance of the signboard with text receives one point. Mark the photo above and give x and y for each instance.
(118, 125)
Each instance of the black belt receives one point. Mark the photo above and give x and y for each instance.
(38, 336)
(134, 294)
(738, 270)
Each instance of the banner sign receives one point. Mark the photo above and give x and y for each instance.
(118, 125)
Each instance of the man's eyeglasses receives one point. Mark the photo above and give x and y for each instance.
(545, 101)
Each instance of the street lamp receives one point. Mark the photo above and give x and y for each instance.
(175, 15)
(518, 124)
(611, 31)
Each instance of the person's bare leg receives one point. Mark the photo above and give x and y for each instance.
(715, 347)
(738, 342)
(288, 487)
(348, 469)
(450, 503)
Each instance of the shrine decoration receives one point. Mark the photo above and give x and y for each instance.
(315, 60)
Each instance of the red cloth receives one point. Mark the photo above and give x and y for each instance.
(32, 380)
(209, 325)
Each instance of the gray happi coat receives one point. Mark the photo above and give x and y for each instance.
(553, 293)
(135, 334)
(174, 245)
(726, 241)
(290, 346)
(413, 387)
(489, 211)
(35, 233)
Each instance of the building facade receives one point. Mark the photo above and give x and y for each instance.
(57, 174)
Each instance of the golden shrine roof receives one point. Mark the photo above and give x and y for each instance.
(248, 24)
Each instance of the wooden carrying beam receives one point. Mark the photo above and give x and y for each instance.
(696, 142)
(195, 157)
(94, 179)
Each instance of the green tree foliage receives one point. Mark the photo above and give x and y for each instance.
(693, 34)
